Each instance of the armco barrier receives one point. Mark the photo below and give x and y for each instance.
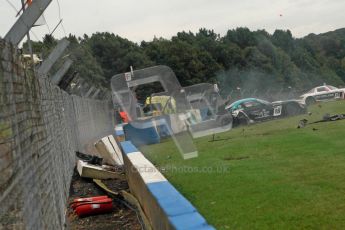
(164, 206)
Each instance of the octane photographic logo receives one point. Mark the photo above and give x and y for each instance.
(192, 169)
(181, 169)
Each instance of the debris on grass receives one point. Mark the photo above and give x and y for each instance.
(327, 117)
(302, 123)
(235, 158)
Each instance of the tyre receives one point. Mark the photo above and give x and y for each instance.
(310, 101)
(243, 120)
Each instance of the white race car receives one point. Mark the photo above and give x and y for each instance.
(322, 93)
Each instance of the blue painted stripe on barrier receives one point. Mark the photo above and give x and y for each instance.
(119, 132)
(188, 221)
(169, 199)
(174, 206)
(128, 147)
(179, 211)
(162, 189)
(203, 227)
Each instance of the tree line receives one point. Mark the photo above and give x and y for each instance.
(241, 58)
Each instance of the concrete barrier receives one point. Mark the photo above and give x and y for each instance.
(164, 206)
(109, 150)
(97, 172)
(119, 133)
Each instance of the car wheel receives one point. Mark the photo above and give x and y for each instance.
(243, 120)
(310, 101)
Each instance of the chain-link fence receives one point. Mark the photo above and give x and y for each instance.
(41, 127)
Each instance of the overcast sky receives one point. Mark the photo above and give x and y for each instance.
(139, 20)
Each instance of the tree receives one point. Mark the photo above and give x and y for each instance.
(241, 58)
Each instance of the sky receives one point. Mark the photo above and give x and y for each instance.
(139, 20)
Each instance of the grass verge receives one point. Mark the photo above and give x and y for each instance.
(267, 175)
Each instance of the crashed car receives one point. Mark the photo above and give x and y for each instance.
(322, 93)
(251, 110)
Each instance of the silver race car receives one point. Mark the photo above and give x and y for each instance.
(322, 93)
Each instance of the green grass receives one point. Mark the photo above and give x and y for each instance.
(278, 177)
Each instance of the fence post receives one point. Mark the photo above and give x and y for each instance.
(92, 88)
(61, 72)
(24, 23)
(53, 57)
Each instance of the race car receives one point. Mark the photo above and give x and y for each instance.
(322, 93)
(251, 110)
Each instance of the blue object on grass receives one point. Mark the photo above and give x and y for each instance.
(142, 133)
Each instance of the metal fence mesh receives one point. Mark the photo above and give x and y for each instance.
(41, 127)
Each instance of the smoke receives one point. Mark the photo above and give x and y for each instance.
(235, 84)
(276, 72)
